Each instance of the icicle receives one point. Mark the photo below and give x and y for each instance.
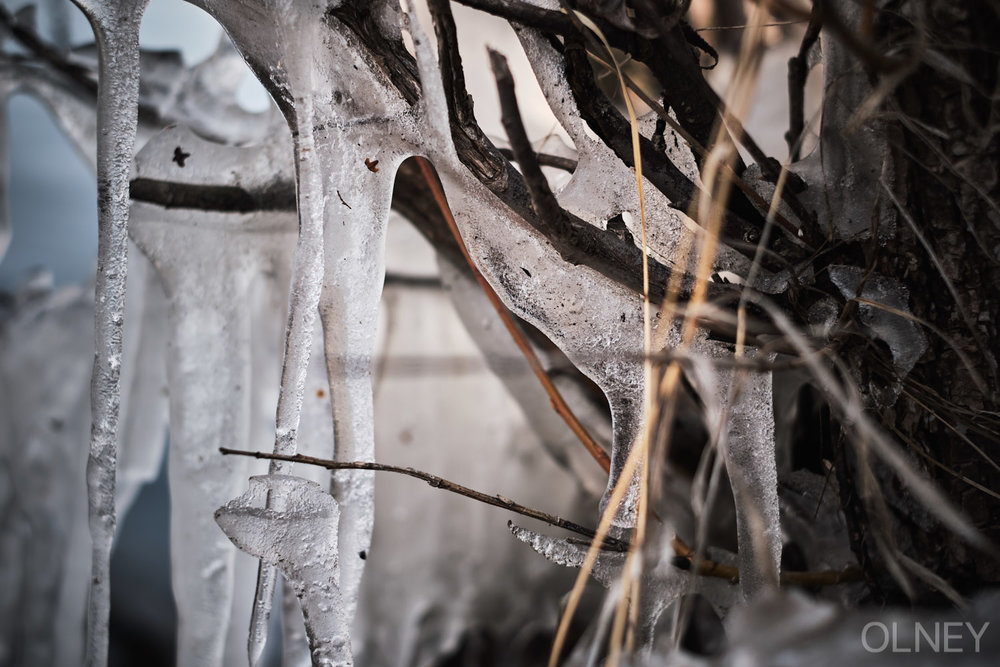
(305, 290)
(44, 418)
(294, 28)
(662, 582)
(294, 641)
(750, 462)
(5, 226)
(116, 27)
(352, 290)
(207, 260)
(298, 30)
(319, 82)
(301, 540)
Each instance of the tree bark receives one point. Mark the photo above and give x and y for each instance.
(946, 154)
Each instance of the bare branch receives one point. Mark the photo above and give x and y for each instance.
(438, 483)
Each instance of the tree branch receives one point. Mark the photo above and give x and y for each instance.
(544, 202)
(480, 155)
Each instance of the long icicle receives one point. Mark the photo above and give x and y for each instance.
(302, 312)
(116, 29)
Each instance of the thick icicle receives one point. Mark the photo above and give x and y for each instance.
(301, 540)
(352, 289)
(116, 28)
(208, 261)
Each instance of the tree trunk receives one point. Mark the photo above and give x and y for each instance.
(946, 150)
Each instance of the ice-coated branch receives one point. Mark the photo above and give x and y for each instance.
(47, 53)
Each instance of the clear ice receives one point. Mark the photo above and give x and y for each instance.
(904, 336)
(301, 540)
(116, 29)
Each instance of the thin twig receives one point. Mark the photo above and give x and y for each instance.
(438, 483)
(543, 200)
(685, 557)
(545, 159)
(775, 24)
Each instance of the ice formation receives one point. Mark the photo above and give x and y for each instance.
(851, 146)
(226, 258)
(45, 421)
(750, 462)
(339, 257)
(116, 29)
(300, 538)
(208, 261)
(662, 582)
(594, 193)
(605, 344)
(904, 336)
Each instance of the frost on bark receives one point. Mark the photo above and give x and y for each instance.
(266, 235)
